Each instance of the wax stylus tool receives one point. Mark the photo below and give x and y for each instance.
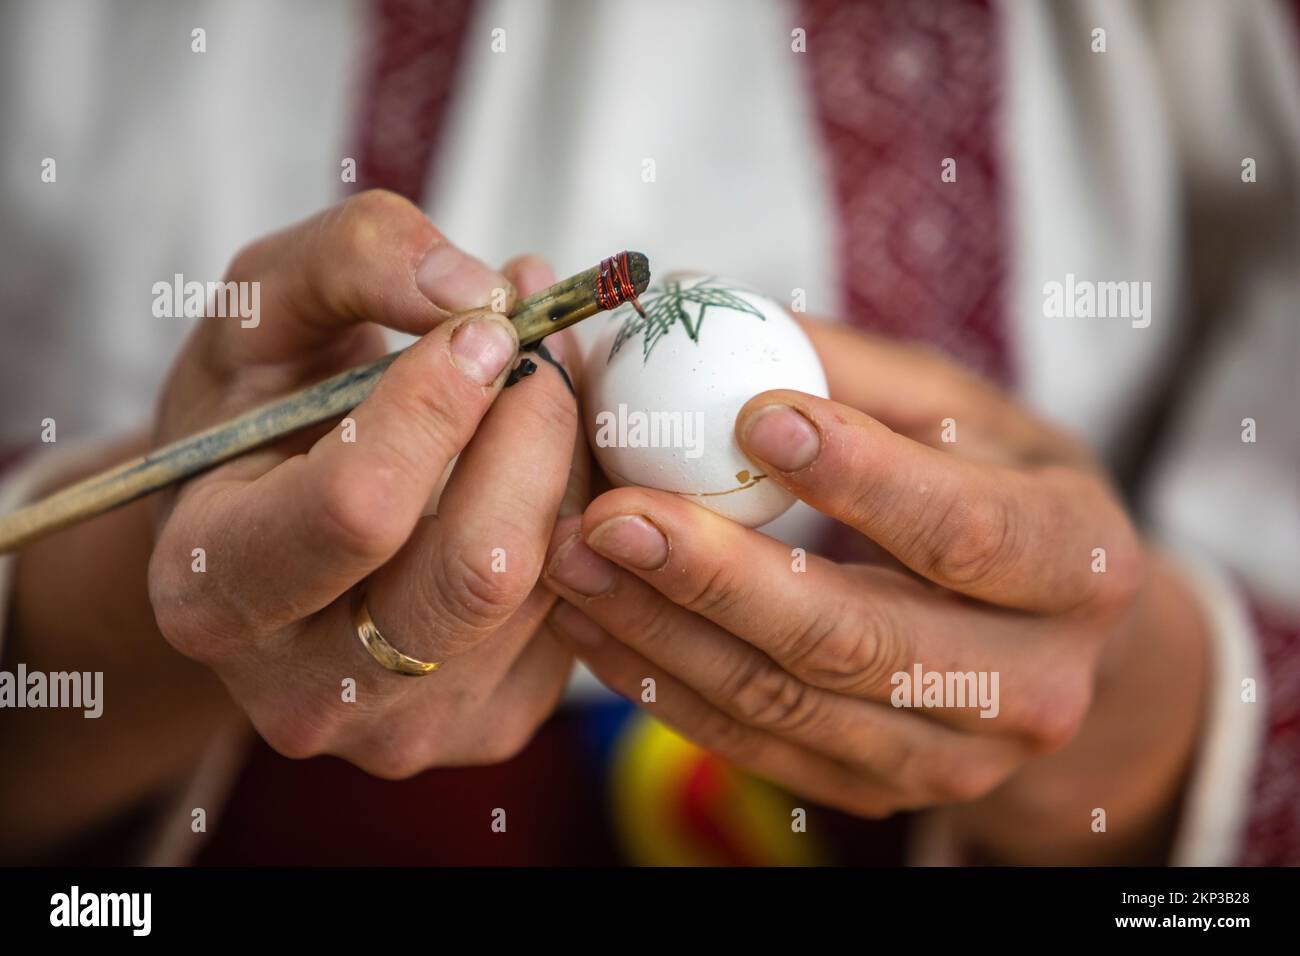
(616, 280)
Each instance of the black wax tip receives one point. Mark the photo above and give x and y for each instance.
(525, 368)
(638, 270)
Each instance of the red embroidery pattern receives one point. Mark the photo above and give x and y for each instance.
(900, 86)
(417, 46)
(1273, 835)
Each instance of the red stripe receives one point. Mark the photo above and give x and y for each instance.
(899, 86)
(1273, 834)
(416, 51)
(706, 796)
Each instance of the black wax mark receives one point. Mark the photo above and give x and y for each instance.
(525, 368)
(540, 348)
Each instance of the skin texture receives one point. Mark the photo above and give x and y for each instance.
(265, 633)
(987, 552)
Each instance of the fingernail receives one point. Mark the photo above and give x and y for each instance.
(783, 438)
(575, 625)
(455, 281)
(576, 566)
(482, 348)
(632, 540)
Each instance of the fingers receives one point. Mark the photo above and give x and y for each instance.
(529, 274)
(903, 384)
(847, 630)
(290, 690)
(345, 508)
(915, 390)
(787, 764)
(276, 623)
(373, 258)
(468, 570)
(740, 580)
(1020, 539)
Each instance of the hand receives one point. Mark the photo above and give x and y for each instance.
(289, 532)
(994, 541)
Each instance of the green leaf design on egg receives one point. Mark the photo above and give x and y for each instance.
(666, 306)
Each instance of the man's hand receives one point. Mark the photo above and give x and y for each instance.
(289, 532)
(995, 546)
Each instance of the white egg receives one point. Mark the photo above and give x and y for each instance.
(661, 394)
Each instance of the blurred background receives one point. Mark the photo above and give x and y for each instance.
(920, 169)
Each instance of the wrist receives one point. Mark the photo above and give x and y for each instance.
(1127, 768)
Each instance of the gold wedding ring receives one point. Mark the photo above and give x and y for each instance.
(380, 649)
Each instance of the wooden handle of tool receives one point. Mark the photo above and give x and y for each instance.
(189, 456)
(534, 318)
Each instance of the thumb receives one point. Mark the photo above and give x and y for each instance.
(373, 258)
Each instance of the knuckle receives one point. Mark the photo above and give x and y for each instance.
(524, 562)
(1116, 591)
(503, 742)
(499, 576)
(355, 515)
(848, 652)
(175, 623)
(165, 596)
(804, 646)
(249, 260)
(356, 235)
(715, 596)
(379, 203)
(970, 544)
(192, 623)
(293, 735)
(657, 622)
(868, 499)
(389, 750)
(468, 591)
(767, 697)
(444, 414)
(1056, 715)
(401, 763)
(509, 744)
(359, 226)
(504, 590)
(1081, 499)
(966, 783)
(904, 762)
(728, 738)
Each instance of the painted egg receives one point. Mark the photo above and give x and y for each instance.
(661, 393)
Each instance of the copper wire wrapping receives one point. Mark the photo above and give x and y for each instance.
(614, 284)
